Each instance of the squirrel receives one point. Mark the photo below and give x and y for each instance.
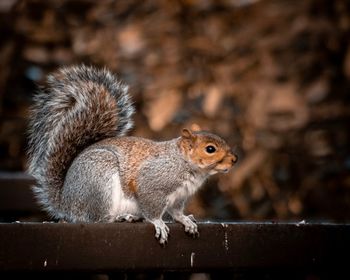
(87, 170)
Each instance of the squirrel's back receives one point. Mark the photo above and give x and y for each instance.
(79, 106)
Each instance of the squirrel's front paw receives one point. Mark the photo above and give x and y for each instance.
(190, 225)
(162, 231)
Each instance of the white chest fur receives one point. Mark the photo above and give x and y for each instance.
(121, 204)
(188, 188)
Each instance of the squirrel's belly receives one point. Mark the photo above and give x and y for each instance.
(121, 204)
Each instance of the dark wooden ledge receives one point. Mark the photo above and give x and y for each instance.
(16, 195)
(123, 247)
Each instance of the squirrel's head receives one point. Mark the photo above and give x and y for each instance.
(208, 151)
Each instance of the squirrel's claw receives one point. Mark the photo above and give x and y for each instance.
(191, 217)
(190, 225)
(192, 230)
(162, 231)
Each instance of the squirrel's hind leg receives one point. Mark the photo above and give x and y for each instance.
(128, 218)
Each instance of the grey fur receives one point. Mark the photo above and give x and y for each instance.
(88, 171)
(80, 106)
(87, 192)
(87, 195)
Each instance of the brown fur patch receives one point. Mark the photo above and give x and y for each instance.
(132, 186)
(194, 144)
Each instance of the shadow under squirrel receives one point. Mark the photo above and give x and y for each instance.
(86, 170)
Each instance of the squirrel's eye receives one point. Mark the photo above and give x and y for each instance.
(210, 149)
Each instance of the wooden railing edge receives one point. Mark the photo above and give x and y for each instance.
(103, 247)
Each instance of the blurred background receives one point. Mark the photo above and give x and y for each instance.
(272, 77)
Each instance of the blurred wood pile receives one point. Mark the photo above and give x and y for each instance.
(271, 77)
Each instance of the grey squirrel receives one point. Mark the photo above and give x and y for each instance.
(86, 170)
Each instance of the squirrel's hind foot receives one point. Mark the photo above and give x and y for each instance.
(128, 218)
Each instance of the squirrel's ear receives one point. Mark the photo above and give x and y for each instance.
(187, 133)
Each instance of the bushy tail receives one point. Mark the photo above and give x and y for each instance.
(80, 106)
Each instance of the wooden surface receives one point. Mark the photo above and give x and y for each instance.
(124, 247)
(16, 194)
